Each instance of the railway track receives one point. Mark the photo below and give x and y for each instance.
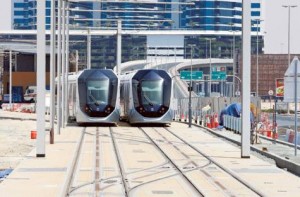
(147, 161)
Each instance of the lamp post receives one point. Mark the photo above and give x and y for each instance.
(190, 87)
(257, 22)
(233, 56)
(289, 60)
(209, 87)
(289, 28)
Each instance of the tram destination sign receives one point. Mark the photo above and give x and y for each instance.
(218, 75)
(186, 75)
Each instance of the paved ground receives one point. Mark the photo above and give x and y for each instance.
(48, 176)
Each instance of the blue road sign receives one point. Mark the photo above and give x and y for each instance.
(186, 75)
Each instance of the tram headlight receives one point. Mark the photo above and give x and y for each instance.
(87, 108)
(108, 109)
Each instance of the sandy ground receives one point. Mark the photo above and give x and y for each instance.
(15, 142)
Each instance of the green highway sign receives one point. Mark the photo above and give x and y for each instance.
(186, 75)
(218, 75)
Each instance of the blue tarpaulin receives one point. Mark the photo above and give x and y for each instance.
(235, 110)
(4, 173)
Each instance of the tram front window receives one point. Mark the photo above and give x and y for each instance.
(152, 92)
(97, 92)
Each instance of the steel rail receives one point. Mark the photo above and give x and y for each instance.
(118, 157)
(195, 164)
(70, 175)
(171, 162)
(246, 184)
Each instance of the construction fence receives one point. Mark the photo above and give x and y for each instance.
(207, 110)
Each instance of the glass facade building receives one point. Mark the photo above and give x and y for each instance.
(206, 15)
(217, 19)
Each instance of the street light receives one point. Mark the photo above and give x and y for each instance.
(233, 54)
(190, 87)
(257, 20)
(210, 39)
(289, 19)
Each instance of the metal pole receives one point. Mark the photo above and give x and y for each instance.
(41, 82)
(58, 98)
(289, 56)
(77, 58)
(67, 64)
(190, 91)
(119, 46)
(52, 71)
(256, 58)
(89, 42)
(296, 100)
(10, 80)
(289, 36)
(209, 67)
(245, 151)
(63, 68)
(233, 63)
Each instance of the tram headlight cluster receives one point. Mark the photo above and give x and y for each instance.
(141, 109)
(87, 108)
(162, 110)
(108, 109)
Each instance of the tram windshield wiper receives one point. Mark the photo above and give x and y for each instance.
(94, 100)
(148, 100)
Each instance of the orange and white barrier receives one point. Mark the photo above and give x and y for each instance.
(19, 107)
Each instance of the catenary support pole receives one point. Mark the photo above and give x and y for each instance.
(67, 64)
(10, 80)
(210, 70)
(88, 51)
(41, 81)
(295, 101)
(58, 98)
(77, 59)
(63, 67)
(245, 153)
(119, 46)
(52, 71)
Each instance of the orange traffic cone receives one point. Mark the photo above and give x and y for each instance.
(208, 123)
(216, 121)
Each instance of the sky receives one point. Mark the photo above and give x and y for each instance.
(276, 27)
(5, 15)
(275, 21)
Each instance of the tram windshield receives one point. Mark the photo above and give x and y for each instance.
(152, 92)
(97, 92)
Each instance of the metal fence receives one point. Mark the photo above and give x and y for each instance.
(202, 106)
